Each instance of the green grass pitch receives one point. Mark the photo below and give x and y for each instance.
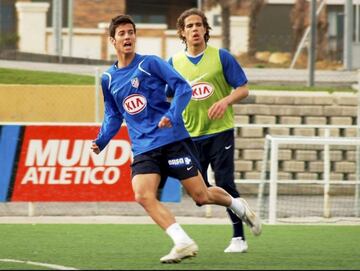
(125, 247)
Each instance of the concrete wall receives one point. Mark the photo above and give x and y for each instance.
(151, 39)
(32, 26)
(295, 108)
(20, 103)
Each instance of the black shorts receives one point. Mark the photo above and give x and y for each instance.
(178, 160)
(218, 151)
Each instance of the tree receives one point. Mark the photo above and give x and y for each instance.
(253, 6)
(299, 18)
(225, 18)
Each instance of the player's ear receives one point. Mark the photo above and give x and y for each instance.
(112, 40)
(182, 33)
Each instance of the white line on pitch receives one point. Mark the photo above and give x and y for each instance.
(52, 266)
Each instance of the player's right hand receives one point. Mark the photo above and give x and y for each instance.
(95, 148)
(165, 122)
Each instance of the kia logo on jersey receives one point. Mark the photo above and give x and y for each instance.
(134, 104)
(202, 91)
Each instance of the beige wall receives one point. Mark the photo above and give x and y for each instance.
(36, 14)
(44, 103)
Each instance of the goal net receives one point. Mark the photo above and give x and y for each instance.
(319, 192)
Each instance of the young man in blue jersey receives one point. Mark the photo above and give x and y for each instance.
(217, 82)
(134, 91)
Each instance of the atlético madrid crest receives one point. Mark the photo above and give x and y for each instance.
(135, 82)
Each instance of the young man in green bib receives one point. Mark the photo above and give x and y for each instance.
(217, 82)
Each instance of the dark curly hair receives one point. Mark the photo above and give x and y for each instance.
(180, 24)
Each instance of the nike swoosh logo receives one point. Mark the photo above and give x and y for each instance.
(188, 168)
(141, 69)
(197, 79)
(227, 147)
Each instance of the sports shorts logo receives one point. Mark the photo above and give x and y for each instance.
(227, 147)
(134, 104)
(202, 91)
(180, 162)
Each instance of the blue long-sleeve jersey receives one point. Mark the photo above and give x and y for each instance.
(136, 94)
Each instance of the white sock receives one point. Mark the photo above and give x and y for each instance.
(178, 235)
(237, 207)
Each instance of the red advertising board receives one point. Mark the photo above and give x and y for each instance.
(57, 164)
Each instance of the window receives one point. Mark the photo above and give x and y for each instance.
(158, 11)
(7, 16)
(147, 11)
(152, 19)
(8, 34)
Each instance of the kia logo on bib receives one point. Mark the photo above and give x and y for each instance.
(202, 91)
(134, 104)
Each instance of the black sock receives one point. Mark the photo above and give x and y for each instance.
(238, 228)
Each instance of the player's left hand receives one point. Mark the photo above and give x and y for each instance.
(217, 110)
(95, 148)
(165, 122)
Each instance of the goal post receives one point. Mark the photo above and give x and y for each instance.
(275, 141)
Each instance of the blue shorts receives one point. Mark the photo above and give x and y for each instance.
(177, 159)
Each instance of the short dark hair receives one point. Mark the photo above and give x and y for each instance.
(180, 24)
(119, 20)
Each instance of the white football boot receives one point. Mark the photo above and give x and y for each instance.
(178, 253)
(237, 244)
(250, 218)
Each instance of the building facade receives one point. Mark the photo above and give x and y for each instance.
(86, 34)
(156, 21)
